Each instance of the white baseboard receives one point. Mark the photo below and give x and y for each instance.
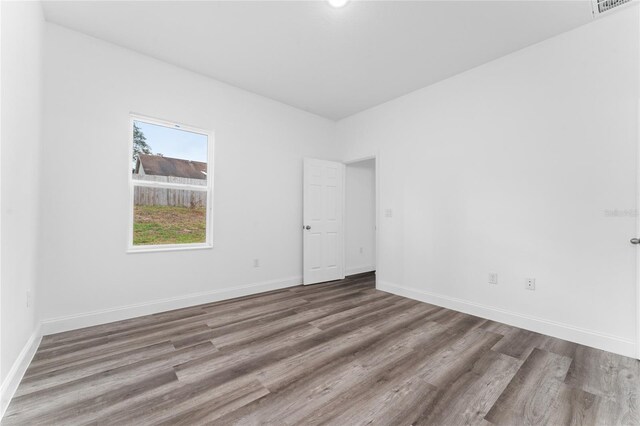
(359, 270)
(11, 382)
(88, 319)
(563, 331)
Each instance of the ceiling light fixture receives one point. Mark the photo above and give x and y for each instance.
(338, 3)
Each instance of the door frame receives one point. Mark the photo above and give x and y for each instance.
(376, 160)
(638, 233)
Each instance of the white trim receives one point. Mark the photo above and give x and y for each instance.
(103, 316)
(607, 342)
(168, 247)
(638, 233)
(168, 123)
(14, 377)
(170, 185)
(360, 270)
(343, 267)
(131, 248)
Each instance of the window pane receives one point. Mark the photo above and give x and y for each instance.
(169, 216)
(169, 154)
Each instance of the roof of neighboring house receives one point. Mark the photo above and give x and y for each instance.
(166, 166)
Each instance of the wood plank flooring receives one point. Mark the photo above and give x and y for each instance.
(340, 353)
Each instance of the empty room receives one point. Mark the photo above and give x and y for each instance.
(337, 212)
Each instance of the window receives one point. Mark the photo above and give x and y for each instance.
(171, 183)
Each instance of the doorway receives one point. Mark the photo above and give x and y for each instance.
(360, 216)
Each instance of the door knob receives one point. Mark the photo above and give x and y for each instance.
(308, 227)
(635, 241)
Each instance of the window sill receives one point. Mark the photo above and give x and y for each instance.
(168, 247)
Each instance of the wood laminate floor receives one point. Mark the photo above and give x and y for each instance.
(340, 353)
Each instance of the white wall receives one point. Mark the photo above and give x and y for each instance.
(22, 29)
(360, 217)
(510, 168)
(90, 89)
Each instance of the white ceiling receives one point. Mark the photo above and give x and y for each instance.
(331, 62)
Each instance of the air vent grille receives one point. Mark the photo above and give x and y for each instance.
(604, 5)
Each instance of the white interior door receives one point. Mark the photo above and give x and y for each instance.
(323, 229)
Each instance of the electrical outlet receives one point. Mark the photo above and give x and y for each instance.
(28, 298)
(256, 263)
(530, 284)
(493, 278)
(361, 250)
(388, 213)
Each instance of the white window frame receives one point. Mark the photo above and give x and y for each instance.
(152, 184)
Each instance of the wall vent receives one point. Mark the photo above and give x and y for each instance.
(602, 6)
